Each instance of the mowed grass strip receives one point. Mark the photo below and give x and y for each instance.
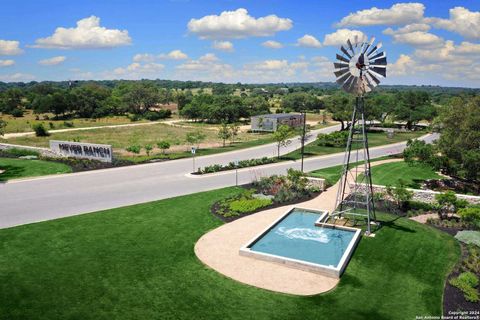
(138, 262)
(22, 168)
(332, 174)
(411, 174)
(375, 139)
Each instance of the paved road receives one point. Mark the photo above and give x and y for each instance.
(53, 197)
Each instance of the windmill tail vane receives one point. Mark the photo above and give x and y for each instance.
(359, 66)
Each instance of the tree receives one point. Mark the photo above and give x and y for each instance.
(195, 137)
(140, 97)
(89, 98)
(380, 106)
(40, 130)
(224, 133)
(281, 137)
(460, 137)
(11, 102)
(134, 149)
(3, 125)
(341, 107)
(234, 130)
(413, 106)
(400, 194)
(163, 145)
(301, 101)
(148, 148)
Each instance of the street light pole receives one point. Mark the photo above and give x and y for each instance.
(304, 113)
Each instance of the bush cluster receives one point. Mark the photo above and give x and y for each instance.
(241, 164)
(243, 203)
(334, 139)
(40, 130)
(267, 190)
(467, 282)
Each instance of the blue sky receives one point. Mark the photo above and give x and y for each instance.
(428, 42)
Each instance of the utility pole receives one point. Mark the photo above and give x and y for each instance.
(304, 113)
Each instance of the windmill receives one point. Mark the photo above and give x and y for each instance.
(358, 68)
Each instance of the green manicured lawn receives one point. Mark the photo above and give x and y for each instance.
(375, 139)
(412, 175)
(21, 168)
(138, 262)
(332, 174)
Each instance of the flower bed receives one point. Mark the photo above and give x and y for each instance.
(267, 192)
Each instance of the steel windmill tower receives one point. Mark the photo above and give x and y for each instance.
(358, 68)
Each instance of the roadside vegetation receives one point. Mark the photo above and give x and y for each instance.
(325, 145)
(14, 168)
(265, 192)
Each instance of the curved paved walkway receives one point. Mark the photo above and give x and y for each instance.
(219, 249)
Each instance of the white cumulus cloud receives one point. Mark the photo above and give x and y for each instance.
(226, 46)
(398, 14)
(408, 28)
(272, 44)
(143, 57)
(135, 71)
(468, 48)
(10, 48)
(88, 34)
(269, 65)
(237, 24)
(341, 36)
(6, 63)
(462, 21)
(52, 61)
(418, 39)
(309, 41)
(174, 55)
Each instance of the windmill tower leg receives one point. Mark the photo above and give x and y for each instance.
(355, 188)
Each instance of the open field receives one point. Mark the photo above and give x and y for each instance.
(120, 138)
(21, 168)
(25, 123)
(375, 139)
(138, 262)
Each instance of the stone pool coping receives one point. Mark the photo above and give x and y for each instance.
(325, 270)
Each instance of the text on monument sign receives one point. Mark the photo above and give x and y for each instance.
(100, 152)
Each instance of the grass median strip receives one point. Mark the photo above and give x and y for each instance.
(22, 168)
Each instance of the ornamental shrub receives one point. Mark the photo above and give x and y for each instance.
(470, 214)
(249, 205)
(40, 130)
(134, 149)
(467, 281)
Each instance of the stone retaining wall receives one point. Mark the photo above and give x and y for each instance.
(427, 196)
(317, 182)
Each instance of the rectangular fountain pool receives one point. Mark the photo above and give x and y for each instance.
(298, 240)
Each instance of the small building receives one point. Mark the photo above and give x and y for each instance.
(270, 122)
